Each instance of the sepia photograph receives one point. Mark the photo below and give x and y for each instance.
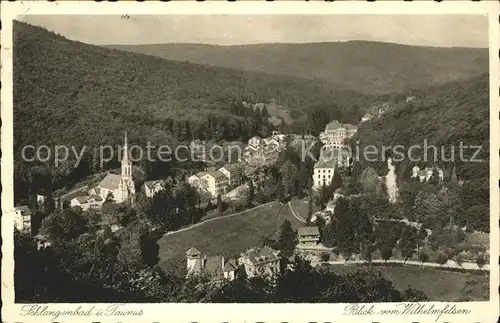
(250, 158)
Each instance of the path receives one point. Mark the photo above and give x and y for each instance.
(449, 264)
(217, 218)
(295, 215)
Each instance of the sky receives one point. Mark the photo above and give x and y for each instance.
(419, 30)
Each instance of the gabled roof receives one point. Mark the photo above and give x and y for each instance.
(110, 182)
(232, 167)
(200, 174)
(192, 252)
(349, 126)
(260, 255)
(333, 125)
(25, 210)
(82, 199)
(230, 265)
(217, 175)
(308, 231)
(323, 164)
(152, 184)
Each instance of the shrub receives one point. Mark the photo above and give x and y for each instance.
(325, 256)
(423, 257)
(480, 261)
(441, 258)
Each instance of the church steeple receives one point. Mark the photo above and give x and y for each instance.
(126, 165)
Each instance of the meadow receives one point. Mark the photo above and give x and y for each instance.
(227, 236)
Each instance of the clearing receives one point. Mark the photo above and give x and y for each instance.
(438, 285)
(227, 236)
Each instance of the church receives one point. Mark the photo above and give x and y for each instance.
(118, 188)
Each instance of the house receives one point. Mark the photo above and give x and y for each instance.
(87, 202)
(263, 261)
(215, 183)
(233, 173)
(195, 180)
(120, 187)
(278, 136)
(40, 198)
(308, 236)
(367, 117)
(22, 218)
(422, 175)
(215, 266)
(152, 187)
(271, 144)
(414, 171)
(337, 156)
(254, 142)
(323, 174)
(335, 133)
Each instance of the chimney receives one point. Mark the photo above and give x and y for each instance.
(222, 262)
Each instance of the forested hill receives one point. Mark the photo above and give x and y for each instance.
(370, 67)
(444, 116)
(68, 92)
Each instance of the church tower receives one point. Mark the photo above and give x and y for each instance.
(127, 186)
(126, 164)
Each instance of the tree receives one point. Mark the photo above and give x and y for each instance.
(65, 225)
(370, 180)
(289, 175)
(264, 113)
(480, 261)
(335, 183)
(251, 193)
(323, 197)
(220, 204)
(423, 257)
(386, 252)
(287, 239)
(408, 243)
(441, 258)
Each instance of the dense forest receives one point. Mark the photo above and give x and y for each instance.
(89, 94)
(370, 67)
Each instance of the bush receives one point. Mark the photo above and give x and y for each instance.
(325, 256)
(441, 258)
(423, 257)
(480, 261)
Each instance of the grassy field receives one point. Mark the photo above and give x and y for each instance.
(438, 285)
(301, 207)
(226, 236)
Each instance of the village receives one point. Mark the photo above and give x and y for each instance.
(229, 183)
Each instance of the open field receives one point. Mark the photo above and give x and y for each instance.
(227, 236)
(301, 207)
(438, 285)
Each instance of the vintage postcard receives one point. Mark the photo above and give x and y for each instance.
(250, 161)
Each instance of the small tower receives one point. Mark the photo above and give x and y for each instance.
(126, 164)
(193, 257)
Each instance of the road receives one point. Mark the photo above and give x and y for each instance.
(449, 264)
(218, 218)
(295, 215)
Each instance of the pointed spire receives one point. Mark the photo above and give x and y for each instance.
(125, 148)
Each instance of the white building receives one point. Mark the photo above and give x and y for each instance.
(119, 188)
(152, 187)
(87, 202)
(215, 183)
(336, 133)
(255, 142)
(308, 236)
(233, 173)
(215, 266)
(22, 218)
(260, 262)
(323, 174)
